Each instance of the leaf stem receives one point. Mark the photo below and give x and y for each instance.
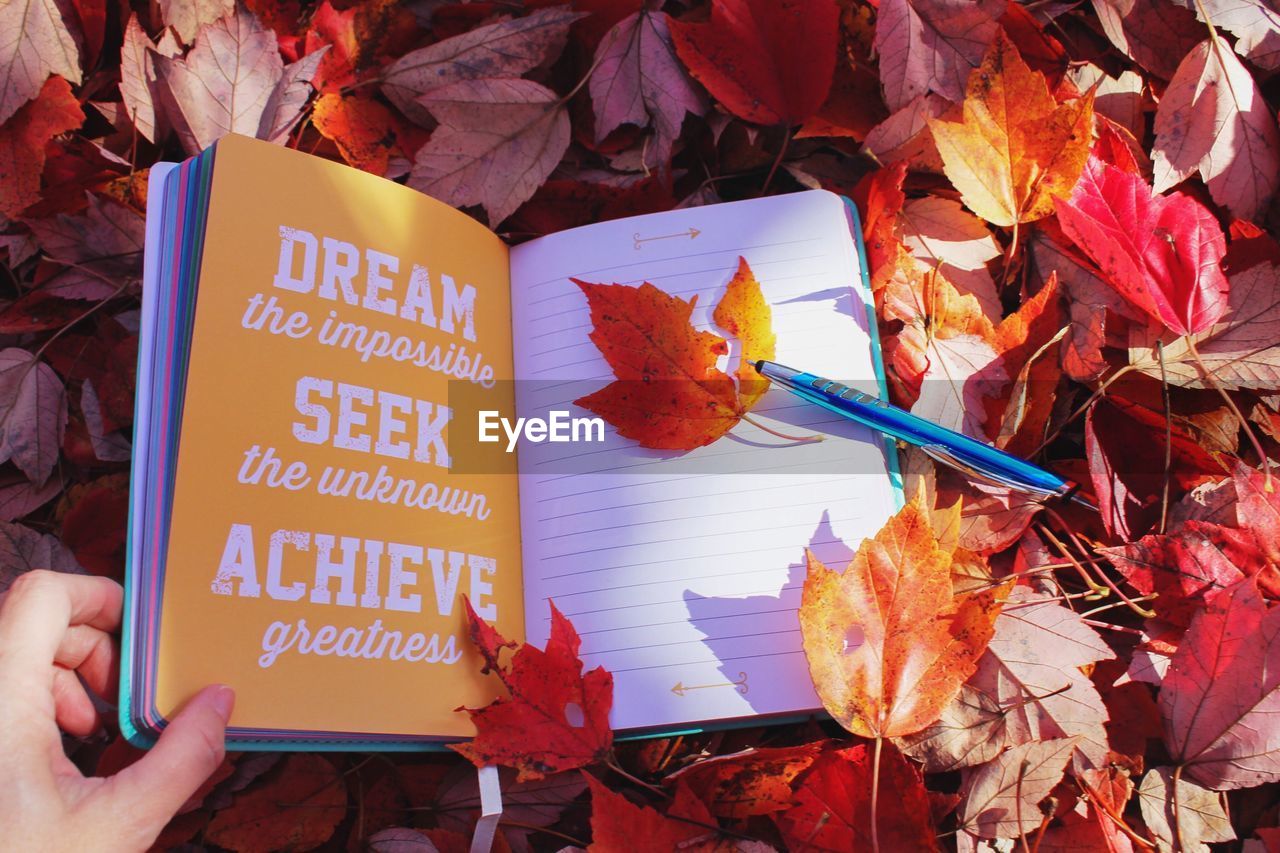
(35, 359)
(1114, 604)
(1009, 256)
(1168, 438)
(1177, 821)
(1111, 585)
(516, 824)
(1105, 809)
(1099, 392)
(585, 77)
(777, 161)
(1096, 590)
(1208, 22)
(1111, 626)
(612, 764)
(796, 438)
(875, 795)
(1231, 404)
(1017, 805)
(1044, 826)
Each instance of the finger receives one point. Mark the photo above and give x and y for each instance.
(38, 609)
(191, 747)
(92, 653)
(72, 707)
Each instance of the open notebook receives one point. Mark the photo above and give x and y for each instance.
(314, 340)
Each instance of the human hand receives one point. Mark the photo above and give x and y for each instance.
(54, 626)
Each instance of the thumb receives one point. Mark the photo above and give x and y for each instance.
(150, 791)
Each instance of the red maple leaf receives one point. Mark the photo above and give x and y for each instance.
(767, 61)
(556, 718)
(833, 809)
(1161, 252)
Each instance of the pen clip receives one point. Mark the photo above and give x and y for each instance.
(947, 457)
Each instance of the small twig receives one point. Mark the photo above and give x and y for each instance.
(1115, 818)
(612, 764)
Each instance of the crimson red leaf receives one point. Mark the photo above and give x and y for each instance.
(767, 61)
(1185, 566)
(1161, 252)
(1221, 697)
(833, 806)
(619, 824)
(23, 139)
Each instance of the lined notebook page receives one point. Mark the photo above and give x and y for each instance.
(682, 572)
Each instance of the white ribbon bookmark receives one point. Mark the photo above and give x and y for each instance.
(490, 809)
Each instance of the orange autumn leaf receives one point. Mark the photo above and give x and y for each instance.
(669, 393)
(1032, 326)
(1026, 341)
(23, 139)
(743, 313)
(889, 642)
(362, 128)
(928, 300)
(879, 198)
(946, 336)
(555, 718)
(1015, 148)
(751, 782)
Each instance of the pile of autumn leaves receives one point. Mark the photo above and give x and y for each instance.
(1011, 674)
(917, 646)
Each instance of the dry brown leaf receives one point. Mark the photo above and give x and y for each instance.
(497, 142)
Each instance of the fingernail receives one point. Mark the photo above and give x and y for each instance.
(223, 700)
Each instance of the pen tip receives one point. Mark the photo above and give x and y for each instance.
(758, 365)
(1085, 502)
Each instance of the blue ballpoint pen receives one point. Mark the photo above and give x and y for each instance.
(969, 456)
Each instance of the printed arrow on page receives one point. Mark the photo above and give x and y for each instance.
(741, 685)
(691, 233)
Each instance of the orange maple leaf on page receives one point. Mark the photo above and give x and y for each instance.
(669, 393)
(889, 642)
(555, 718)
(1015, 148)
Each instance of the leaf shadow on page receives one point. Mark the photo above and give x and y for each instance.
(841, 298)
(743, 631)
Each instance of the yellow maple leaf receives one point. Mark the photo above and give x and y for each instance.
(889, 640)
(1015, 148)
(745, 314)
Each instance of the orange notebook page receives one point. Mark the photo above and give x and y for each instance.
(237, 589)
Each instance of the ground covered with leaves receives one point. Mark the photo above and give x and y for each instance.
(1069, 211)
